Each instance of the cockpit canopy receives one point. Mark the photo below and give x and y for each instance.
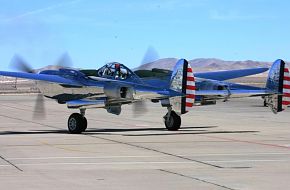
(116, 71)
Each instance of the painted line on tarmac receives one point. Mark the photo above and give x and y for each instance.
(197, 179)
(249, 142)
(10, 163)
(141, 156)
(92, 157)
(135, 163)
(142, 163)
(99, 163)
(24, 120)
(155, 150)
(241, 161)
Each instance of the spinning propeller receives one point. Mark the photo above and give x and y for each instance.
(64, 61)
(19, 64)
(151, 55)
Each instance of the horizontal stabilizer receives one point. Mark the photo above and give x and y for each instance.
(238, 93)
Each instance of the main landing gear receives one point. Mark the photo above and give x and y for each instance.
(172, 121)
(77, 123)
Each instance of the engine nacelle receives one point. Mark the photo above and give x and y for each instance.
(205, 102)
(212, 85)
(118, 92)
(114, 109)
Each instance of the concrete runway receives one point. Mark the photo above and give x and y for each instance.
(234, 145)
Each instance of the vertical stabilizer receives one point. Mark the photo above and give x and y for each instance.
(286, 89)
(190, 89)
(182, 80)
(278, 84)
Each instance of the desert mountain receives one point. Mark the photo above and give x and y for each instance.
(202, 64)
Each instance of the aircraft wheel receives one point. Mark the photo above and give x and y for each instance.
(85, 124)
(173, 122)
(77, 123)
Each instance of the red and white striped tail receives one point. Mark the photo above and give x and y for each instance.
(286, 89)
(190, 89)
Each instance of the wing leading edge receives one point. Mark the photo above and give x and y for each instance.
(41, 77)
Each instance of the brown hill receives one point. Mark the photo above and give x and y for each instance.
(203, 64)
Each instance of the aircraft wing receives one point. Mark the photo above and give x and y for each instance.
(226, 75)
(216, 75)
(41, 77)
(110, 86)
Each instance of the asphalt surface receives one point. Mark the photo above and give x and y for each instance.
(233, 145)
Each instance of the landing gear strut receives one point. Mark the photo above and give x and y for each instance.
(172, 121)
(77, 123)
(265, 104)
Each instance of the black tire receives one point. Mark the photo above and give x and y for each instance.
(174, 122)
(77, 123)
(85, 124)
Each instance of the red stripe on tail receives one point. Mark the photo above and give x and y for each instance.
(287, 78)
(190, 79)
(189, 70)
(192, 96)
(188, 104)
(190, 87)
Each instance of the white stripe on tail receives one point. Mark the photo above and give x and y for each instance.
(190, 89)
(286, 89)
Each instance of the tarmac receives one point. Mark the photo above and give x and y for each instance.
(233, 145)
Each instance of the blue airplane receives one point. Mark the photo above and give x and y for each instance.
(179, 90)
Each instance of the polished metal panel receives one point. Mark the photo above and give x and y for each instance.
(117, 91)
(86, 104)
(177, 85)
(53, 90)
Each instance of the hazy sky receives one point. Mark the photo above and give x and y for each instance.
(96, 32)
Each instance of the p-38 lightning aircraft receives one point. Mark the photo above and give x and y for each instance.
(114, 85)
